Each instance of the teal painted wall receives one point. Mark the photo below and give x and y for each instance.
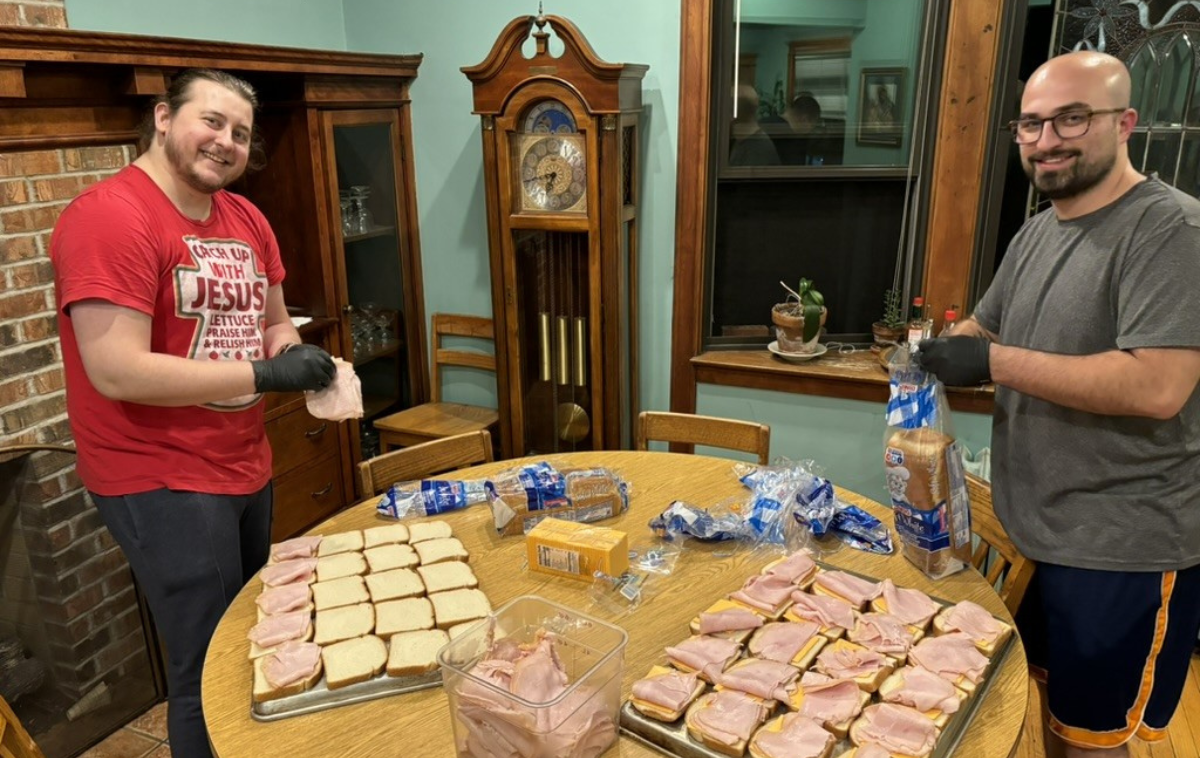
(308, 23)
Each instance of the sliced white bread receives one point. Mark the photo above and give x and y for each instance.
(388, 557)
(347, 622)
(441, 549)
(456, 606)
(459, 629)
(385, 535)
(414, 653)
(408, 615)
(776, 725)
(263, 691)
(354, 660)
(342, 564)
(428, 530)
(658, 712)
(395, 584)
(449, 575)
(941, 625)
(342, 542)
(347, 590)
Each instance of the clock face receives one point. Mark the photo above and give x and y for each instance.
(553, 173)
(549, 117)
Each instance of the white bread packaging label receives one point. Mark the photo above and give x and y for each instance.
(925, 478)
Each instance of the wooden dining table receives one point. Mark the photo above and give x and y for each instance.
(416, 724)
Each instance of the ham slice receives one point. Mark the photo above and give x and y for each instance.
(298, 547)
(897, 728)
(705, 654)
(765, 591)
(871, 750)
(273, 630)
(910, 606)
(286, 572)
(800, 737)
(832, 701)
(782, 641)
(292, 662)
(670, 691)
(765, 679)
(729, 620)
(925, 691)
(951, 656)
(974, 621)
(342, 399)
(284, 599)
(848, 661)
(824, 610)
(883, 633)
(728, 716)
(795, 568)
(855, 590)
(539, 676)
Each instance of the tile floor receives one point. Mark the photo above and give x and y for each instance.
(144, 737)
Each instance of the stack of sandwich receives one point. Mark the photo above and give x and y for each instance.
(353, 606)
(853, 667)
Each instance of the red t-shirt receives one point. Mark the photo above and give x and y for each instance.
(204, 284)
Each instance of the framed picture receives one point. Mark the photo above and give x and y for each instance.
(880, 106)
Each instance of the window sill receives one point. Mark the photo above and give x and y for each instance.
(854, 376)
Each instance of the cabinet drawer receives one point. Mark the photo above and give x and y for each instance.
(307, 495)
(298, 438)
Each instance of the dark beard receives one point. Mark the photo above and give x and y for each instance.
(186, 172)
(1075, 181)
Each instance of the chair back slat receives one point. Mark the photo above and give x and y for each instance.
(459, 325)
(688, 428)
(1008, 568)
(15, 741)
(424, 460)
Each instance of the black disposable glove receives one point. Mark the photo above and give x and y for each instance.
(298, 367)
(956, 361)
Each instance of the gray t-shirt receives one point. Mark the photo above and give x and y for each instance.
(1081, 489)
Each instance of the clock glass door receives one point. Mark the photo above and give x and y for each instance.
(552, 313)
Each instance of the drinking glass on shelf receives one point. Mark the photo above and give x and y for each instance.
(364, 220)
(371, 317)
(349, 220)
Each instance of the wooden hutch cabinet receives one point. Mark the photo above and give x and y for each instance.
(337, 188)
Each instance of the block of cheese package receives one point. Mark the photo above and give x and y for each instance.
(574, 550)
(522, 497)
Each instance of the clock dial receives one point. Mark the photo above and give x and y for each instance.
(553, 173)
(549, 117)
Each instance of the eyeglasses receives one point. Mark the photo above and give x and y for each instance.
(1067, 125)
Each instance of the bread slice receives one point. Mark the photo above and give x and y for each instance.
(408, 615)
(441, 549)
(723, 604)
(456, 606)
(354, 660)
(895, 681)
(696, 729)
(776, 725)
(450, 575)
(347, 590)
(342, 542)
(388, 557)
(459, 629)
(868, 682)
(393, 585)
(428, 530)
(342, 564)
(385, 535)
(987, 647)
(657, 712)
(264, 692)
(347, 622)
(414, 653)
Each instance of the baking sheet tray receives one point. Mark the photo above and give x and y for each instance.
(673, 738)
(321, 698)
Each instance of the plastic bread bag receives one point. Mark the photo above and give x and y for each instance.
(521, 497)
(429, 497)
(860, 530)
(810, 496)
(342, 399)
(924, 471)
(683, 520)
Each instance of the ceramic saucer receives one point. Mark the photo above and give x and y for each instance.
(797, 357)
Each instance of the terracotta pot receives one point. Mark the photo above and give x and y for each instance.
(789, 329)
(885, 335)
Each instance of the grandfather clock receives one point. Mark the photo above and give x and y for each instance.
(560, 141)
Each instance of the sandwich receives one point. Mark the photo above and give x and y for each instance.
(342, 542)
(354, 660)
(761, 678)
(347, 622)
(450, 575)
(706, 655)
(798, 568)
(904, 732)
(285, 598)
(296, 570)
(407, 615)
(347, 590)
(415, 653)
(846, 660)
(791, 736)
(298, 547)
(984, 629)
(727, 619)
(293, 668)
(913, 607)
(724, 720)
(832, 703)
(456, 606)
(953, 657)
(384, 535)
(395, 584)
(923, 690)
(884, 633)
(339, 565)
(833, 615)
(853, 589)
(388, 557)
(272, 631)
(428, 530)
(769, 594)
(664, 693)
(793, 642)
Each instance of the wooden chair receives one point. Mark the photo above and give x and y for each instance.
(436, 419)
(996, 557)
(15, 742)
(424, 460)
(704, 430)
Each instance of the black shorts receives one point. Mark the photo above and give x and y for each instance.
(1114, 648)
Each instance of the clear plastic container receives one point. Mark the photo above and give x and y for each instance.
(580, 722)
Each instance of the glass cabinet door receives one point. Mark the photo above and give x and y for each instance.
(371, 253)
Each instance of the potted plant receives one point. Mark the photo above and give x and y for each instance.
(798, 320)
(890, 328)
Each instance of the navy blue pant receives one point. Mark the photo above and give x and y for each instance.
(191, 553)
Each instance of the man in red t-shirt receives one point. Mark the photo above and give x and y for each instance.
(173, 325)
